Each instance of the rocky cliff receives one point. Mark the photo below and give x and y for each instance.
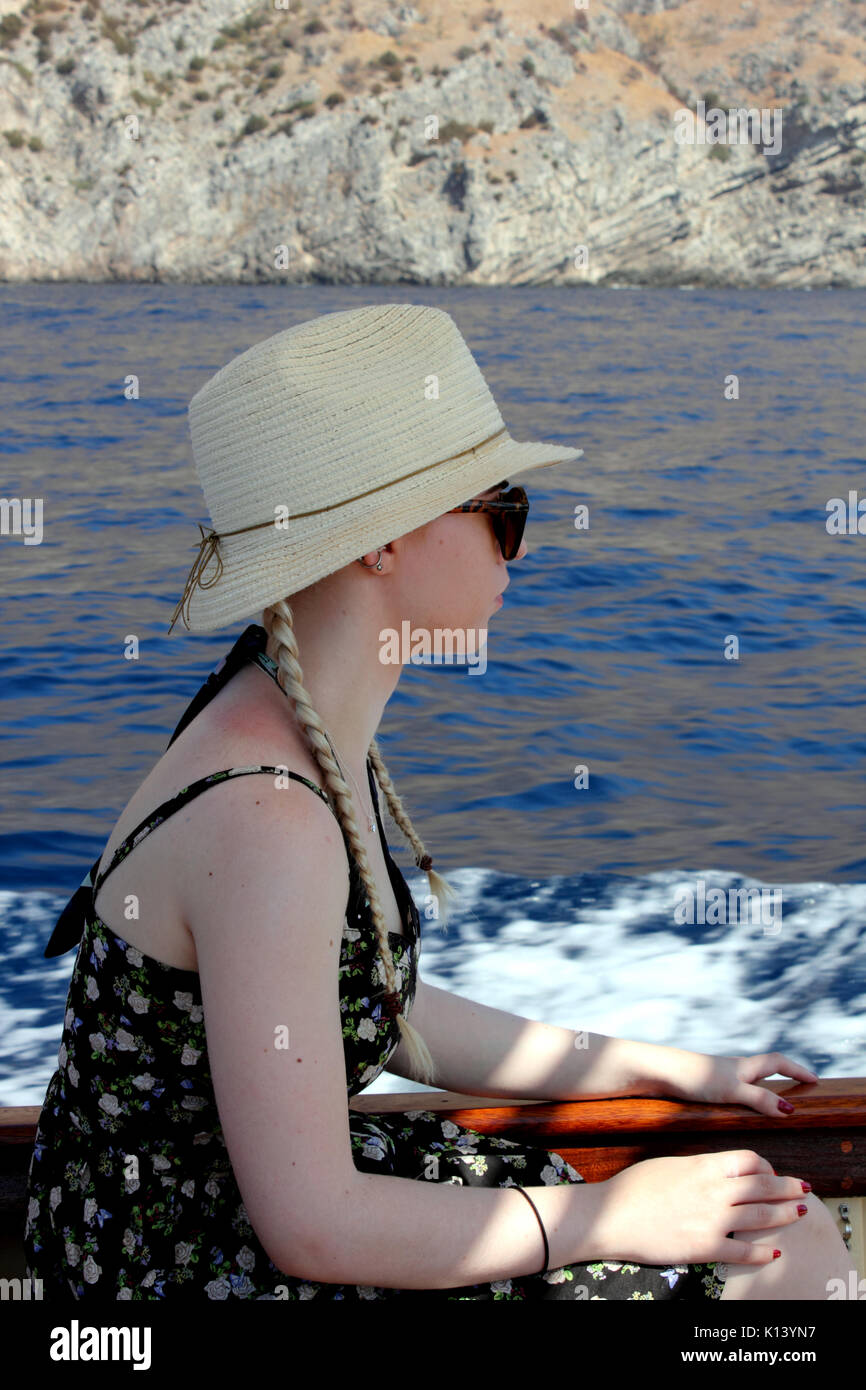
(361, 141)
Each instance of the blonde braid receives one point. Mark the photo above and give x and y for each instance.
(441, 891)
(277, 621)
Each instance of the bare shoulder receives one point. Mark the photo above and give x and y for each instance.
(264, 829)
(260, 826)
(228, 823)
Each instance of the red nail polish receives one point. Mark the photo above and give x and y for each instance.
(802, 1209)
(806, 1186)
(786, 1107)
(776, 1254)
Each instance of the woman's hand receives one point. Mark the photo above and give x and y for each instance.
(680, 1210)
(728, 1080)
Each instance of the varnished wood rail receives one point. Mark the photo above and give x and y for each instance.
(823, 1141)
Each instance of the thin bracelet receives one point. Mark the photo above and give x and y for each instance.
(541, 1224)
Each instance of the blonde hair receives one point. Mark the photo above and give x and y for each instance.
(283, 649)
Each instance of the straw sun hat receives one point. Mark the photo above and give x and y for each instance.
(329, 440)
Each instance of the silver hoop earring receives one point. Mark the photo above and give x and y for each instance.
(378, 564)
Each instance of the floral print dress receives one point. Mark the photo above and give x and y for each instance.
(131, 1193)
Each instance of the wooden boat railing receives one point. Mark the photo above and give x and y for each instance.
(822, 1142)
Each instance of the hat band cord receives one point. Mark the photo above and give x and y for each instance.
(210, 539)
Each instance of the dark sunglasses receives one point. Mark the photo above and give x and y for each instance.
(508, 512)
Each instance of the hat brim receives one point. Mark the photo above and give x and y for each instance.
(554, 453)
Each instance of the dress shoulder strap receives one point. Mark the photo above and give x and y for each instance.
(186, 794)
(249, 647)
(70, 924)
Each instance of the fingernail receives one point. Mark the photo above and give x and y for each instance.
(776, 1254)
(806, 1186)
(802, 1209)
(786, 1107)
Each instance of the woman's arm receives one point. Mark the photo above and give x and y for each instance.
(479, 1051)
(269, 903)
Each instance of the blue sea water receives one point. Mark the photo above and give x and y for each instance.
(707, 521)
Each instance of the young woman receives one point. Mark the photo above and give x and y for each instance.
(243, 973)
